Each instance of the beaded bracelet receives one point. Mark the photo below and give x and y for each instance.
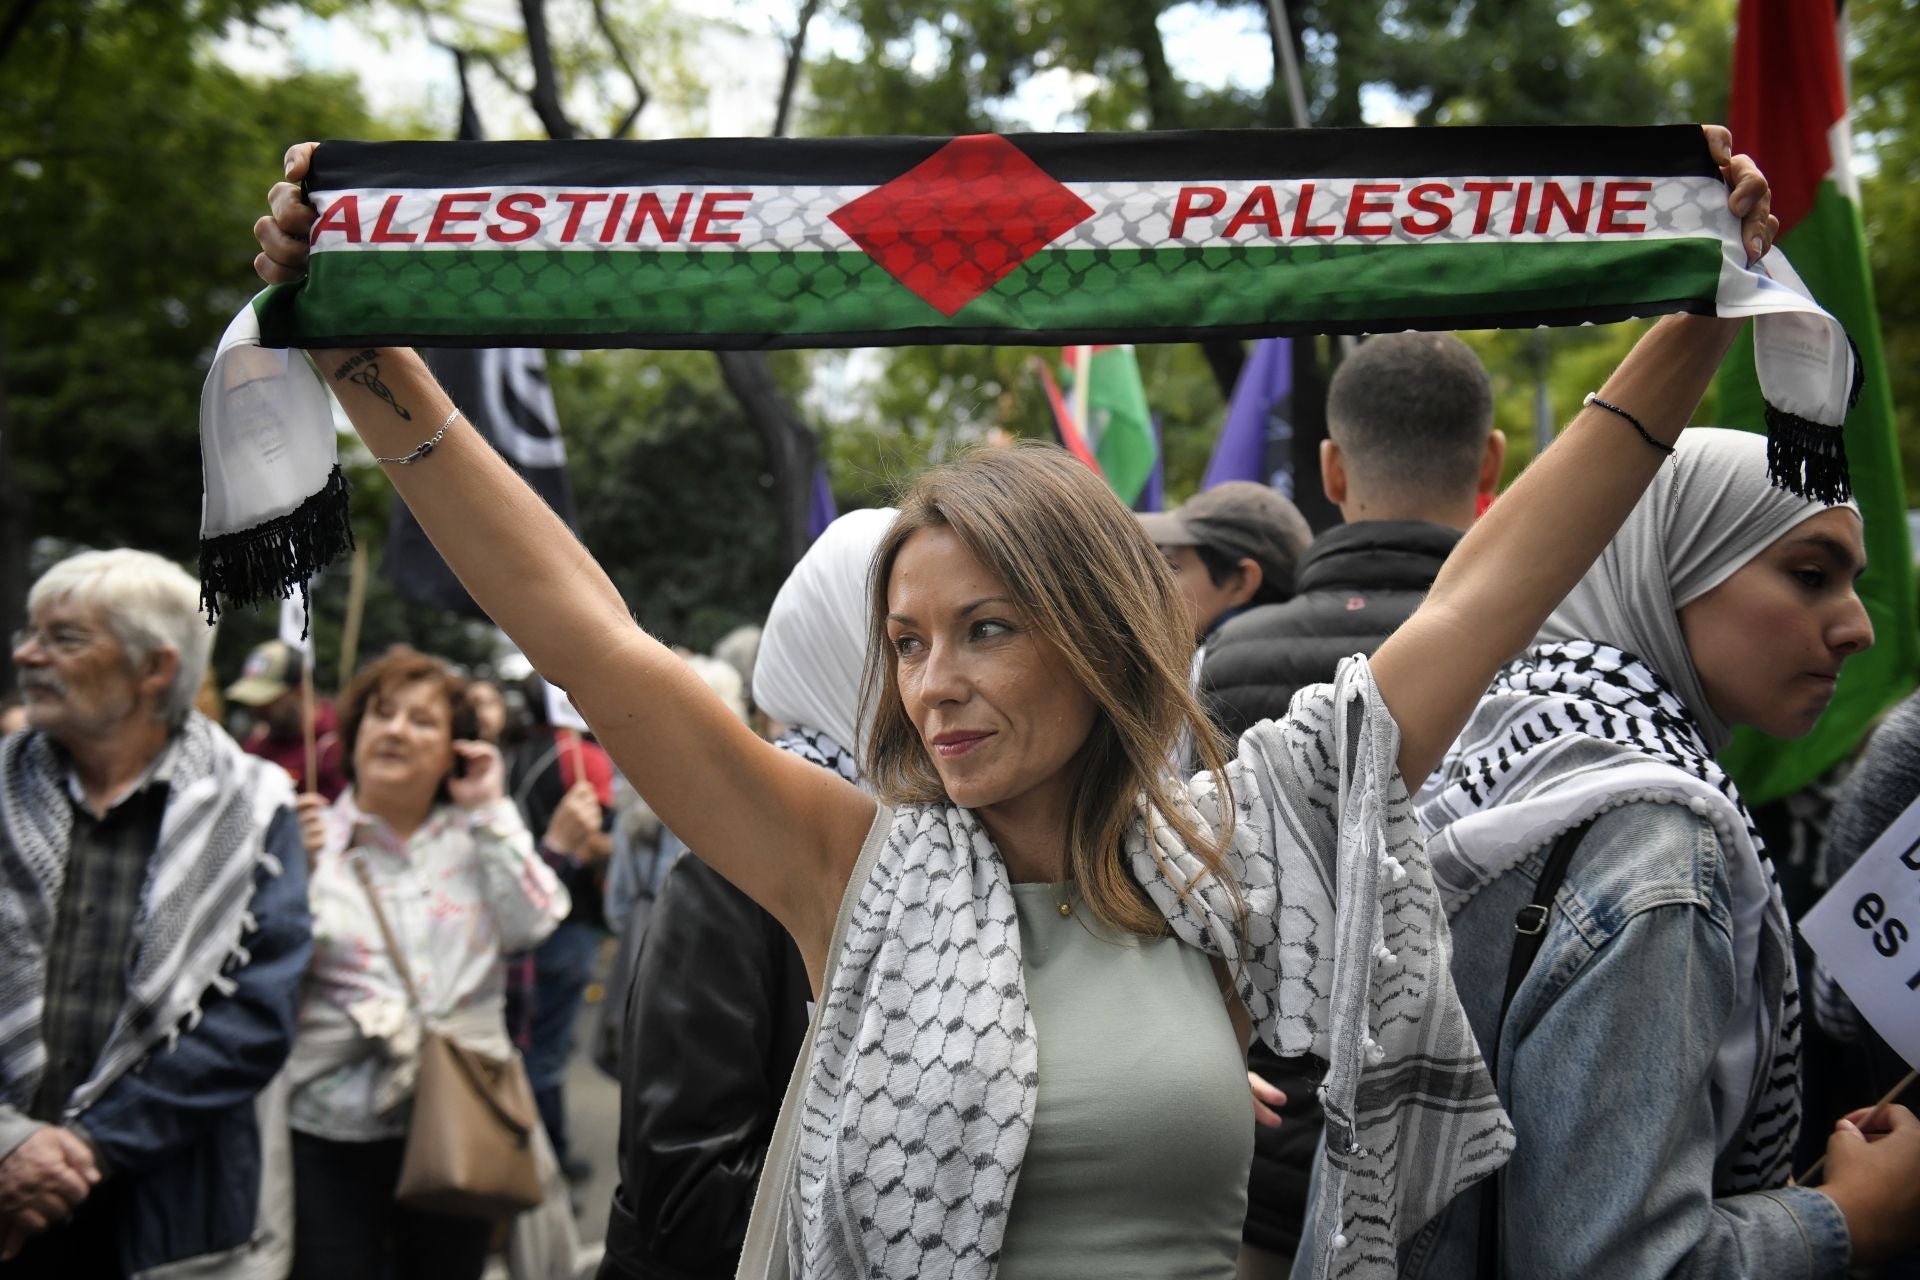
(1594, 400)
(425, 447)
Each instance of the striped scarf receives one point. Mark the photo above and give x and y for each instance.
(1039, 238)
(193, 918)
(1568, 731)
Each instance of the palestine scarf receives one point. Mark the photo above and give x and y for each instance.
(194, 911)
(1055, 239)
(917, 1097)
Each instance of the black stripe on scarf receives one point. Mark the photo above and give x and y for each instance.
(1188, 155)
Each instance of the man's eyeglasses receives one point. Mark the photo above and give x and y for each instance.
(63, 640)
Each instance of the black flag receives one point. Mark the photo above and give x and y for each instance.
(504, 393)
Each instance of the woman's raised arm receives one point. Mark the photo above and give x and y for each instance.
(787, 833)
(1516, 565)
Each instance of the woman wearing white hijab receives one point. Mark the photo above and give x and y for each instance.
(1649, 1058)
(718, 1008)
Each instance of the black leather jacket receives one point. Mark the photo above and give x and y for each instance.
(1356, 583)
(716, 1020)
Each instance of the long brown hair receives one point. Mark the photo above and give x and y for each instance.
(1092, 583)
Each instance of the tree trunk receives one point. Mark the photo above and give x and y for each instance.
(545, 98)
(16, 537)
(791, 449)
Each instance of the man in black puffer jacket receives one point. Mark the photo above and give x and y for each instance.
(1411, 452)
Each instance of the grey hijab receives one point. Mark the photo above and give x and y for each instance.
(1707, 513)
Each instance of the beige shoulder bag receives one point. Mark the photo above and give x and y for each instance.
(469, 1145)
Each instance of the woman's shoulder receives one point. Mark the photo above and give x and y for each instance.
(1651, 853)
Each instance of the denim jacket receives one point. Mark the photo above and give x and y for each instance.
(1605, 1064)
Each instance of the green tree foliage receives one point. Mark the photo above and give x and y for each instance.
(672, 487)
(1886, 91)
(133, 164)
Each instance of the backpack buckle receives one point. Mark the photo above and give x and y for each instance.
(1531, 919)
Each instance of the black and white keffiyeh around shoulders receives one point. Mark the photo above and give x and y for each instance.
(1572, 730)
(918, 1099)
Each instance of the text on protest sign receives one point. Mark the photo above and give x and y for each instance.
(1866, 931)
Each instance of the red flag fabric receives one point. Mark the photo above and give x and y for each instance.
(1788, 93)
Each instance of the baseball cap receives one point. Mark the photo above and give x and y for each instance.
(270, 671)
(1242, 520)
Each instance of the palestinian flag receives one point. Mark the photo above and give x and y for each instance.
(1789, 111)
(1043, 239)
(1118, 439)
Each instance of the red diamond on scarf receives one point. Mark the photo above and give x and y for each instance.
(955, 224)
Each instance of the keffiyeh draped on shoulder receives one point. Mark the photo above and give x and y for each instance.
(1569, 731)
(194, 909)
(919, 1095)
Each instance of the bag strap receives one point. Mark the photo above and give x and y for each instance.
(386, 933)
(1529, 934)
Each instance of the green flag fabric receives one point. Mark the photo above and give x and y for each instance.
(1118, 420)
(1789, 112)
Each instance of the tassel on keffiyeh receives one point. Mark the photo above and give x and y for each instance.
(1057, 239)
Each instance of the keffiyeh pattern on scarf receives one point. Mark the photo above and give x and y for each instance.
(1571, 730)
(193, 918)
(919, 1097)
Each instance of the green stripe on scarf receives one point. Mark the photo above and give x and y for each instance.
(650, 297)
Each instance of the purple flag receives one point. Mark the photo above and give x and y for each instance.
(821, 510)
(1257, 441)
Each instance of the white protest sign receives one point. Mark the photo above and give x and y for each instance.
(1866, 931)
(561, 713)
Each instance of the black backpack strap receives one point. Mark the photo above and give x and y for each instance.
(1529, 933)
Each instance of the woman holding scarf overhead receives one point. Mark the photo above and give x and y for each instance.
(1656, 1034)
(960, 1111)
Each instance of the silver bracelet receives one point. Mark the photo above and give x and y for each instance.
(425, 447)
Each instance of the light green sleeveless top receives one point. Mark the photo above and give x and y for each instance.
(1143, 1128)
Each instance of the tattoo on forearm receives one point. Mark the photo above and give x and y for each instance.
(365, 370)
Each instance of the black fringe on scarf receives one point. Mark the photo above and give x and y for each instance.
(1809, 459)
(272, 559)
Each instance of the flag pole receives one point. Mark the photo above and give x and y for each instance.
(1082, 380)
(1282, 32)
(306, 724)
(356, 611)
(578, 750)
(1892, 1093)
